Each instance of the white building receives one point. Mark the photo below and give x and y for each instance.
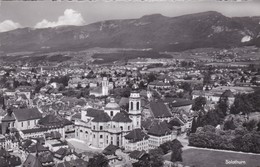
(137, 140)
(101, 128)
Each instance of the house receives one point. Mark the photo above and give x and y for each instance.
(21, 119)
(158, 133)
(178, 105)
(73, 163)
(160, 111)
(64, 154)
(113, 153)
(136, 155)
(136, 140)
(7, 160)
(64, 126)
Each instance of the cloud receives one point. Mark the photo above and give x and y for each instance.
(70, 17)
(8, 25)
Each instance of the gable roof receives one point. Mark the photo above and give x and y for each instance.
(159, 128)
(159, 110)
(62, 152)
(27, 114)
(137, 154)
(178, 102)
(73, 163)
(110, 149)
(121, 117)
(8, 118)
(54, 120)
(136, 135)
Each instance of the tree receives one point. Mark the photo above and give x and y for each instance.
(229, 125)
(199, 103)
(156, 157)
(186, 87)
(176, 151)
(99, 160)
(194, 125)
(151, 77)
(250, 125)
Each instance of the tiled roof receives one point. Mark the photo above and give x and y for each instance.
(227, 93)
(159, 128)
(102, 117)
(27, 131)
(54, 120)
(110, 150)
(8, 118)
(99, 115)
(136, 135)
(36, 148)
(91, 112)
(76, 116)
(121, 117)
(177, 102)
(73, 163)
(62, 152)
(46, 157)
(27, 114)
(123, 101)
(137, 154)
(159, 110)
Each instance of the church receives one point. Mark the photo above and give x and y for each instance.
(100, 128)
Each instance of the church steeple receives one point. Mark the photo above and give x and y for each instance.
(135, 107)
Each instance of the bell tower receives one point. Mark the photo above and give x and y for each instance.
(135, 107)
(105, 86)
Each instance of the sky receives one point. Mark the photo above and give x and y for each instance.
(44, 14)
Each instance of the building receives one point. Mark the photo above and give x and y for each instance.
(137, 140)
(101, 91)
(21, 119)
(159, 133)
(102, 127)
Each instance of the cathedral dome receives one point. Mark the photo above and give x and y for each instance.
(112, 105)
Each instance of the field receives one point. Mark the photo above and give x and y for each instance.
(102, 58)
(209, 158)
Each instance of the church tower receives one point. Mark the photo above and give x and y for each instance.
(105, 87)
(135, 107)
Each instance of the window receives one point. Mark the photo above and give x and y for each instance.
(111, 113)
(94, 127)
(93, 136)
(101, 136)
(21, 124)
(137, 106)
(128, 127)
(132, 105)
(28, 123)
(121, 127)
(101, 127)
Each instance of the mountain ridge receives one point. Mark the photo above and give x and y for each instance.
(162, 33)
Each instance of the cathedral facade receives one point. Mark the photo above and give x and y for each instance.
(100, 128)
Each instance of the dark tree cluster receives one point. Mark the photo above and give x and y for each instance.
(246, 103)
(239, 139)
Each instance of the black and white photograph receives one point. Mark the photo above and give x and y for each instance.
(129, 83)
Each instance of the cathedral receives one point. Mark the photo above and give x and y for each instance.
(100, 128)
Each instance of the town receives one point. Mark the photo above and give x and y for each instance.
(138, 112)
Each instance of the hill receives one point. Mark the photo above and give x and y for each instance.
(207, 29)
